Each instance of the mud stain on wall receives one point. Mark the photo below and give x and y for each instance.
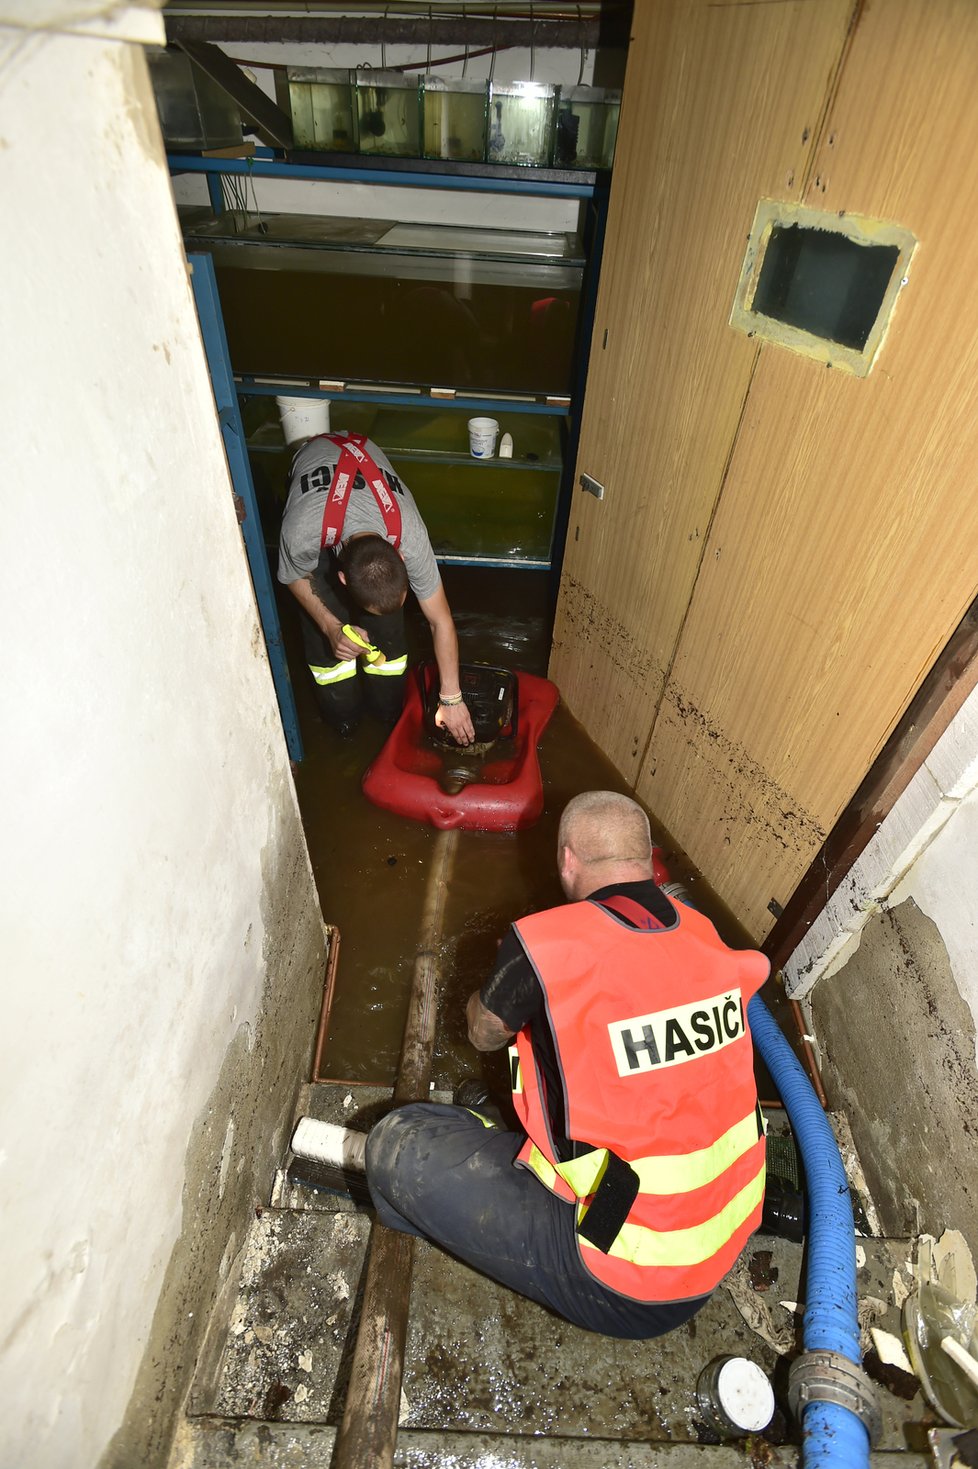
(752, 793)
(229, 1171)
(584, 621)
(899, 1056)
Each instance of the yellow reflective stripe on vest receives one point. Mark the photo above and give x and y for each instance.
(335, 674)
(687, 1171)
(585, 1173)
(673, 1173)
(541, 1166)
(481, 1117)
(390, 669)
(684, 1247)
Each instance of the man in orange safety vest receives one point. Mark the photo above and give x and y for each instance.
(637, 1175)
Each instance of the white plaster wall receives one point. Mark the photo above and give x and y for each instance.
(925, 849)
(143, 766)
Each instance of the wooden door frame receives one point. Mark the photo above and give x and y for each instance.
(943, 691)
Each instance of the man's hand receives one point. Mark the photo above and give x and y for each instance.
(458, 721)
(341, 645)
(486, 1031)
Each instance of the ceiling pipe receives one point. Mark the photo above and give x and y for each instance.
(334, 30)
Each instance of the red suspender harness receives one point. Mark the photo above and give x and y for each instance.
(354, 459)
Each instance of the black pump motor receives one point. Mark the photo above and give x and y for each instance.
(491, 696)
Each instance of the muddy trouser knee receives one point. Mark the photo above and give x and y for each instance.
(440, 1173)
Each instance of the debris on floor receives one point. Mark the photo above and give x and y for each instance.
(756, 1312)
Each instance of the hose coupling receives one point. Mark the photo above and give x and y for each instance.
(829, 1377)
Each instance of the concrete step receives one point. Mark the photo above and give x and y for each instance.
(490, 1379)
(216, 1444)
(481, 1360)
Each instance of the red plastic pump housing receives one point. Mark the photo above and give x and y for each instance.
(506, 794)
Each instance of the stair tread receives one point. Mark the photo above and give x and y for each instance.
(215, 1443)
(481, 1360)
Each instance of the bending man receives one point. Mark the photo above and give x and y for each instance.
(639, 1175)
(352, 543)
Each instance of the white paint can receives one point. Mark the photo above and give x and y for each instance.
(303, 418)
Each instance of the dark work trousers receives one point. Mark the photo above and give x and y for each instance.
(342, 688)
(439, 1173)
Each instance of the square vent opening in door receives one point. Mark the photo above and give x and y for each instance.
(821, 284)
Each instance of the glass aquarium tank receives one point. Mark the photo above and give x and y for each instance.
(586, 127)
(454, 118)
(521, 123)
(321, 103)
(195, 113)
(496, 510)
(388, 113)
(371, 301)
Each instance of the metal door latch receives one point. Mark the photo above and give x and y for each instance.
(592, 486)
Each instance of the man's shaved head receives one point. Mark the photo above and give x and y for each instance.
(607, 828)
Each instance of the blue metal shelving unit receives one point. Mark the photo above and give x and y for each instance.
(267, 163)
(208, 304)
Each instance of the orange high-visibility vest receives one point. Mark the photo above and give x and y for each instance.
(656, 1064)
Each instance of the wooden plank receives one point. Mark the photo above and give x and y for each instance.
(842, 554)
(721, 104)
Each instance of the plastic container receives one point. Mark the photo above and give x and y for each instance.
(455, 114)
(321, 103)
(928, 1317)
(482, 437)
(303, 418)
(195, 113)
(734, 1397)
(388, 114)
(586, 127)
(521, 123)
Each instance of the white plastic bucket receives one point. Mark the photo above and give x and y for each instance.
(482, 437)
(303, 418)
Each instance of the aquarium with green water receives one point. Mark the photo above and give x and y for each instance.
(388, 113)
(521, 123)
(421, 305)
(491, 511)
(321, 103)
(586, 127)
(455, 115)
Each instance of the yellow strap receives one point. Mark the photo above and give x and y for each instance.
(335, 674)
(672, 1247)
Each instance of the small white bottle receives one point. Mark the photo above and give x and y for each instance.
(506, 446)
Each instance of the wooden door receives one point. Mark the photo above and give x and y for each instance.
(782, 549)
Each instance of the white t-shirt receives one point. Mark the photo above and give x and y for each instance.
(302, 523)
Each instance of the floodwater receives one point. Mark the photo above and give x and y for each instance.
(371, 866)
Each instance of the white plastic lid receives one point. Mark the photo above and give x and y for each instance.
(745, 1394)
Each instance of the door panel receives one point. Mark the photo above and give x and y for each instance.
(844, 550)
(721, 105)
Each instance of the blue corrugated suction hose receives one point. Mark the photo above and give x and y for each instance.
(833, 1436)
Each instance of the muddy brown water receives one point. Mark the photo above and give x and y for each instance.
(371, 866)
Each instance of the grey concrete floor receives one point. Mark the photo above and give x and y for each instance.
(490, 1379)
